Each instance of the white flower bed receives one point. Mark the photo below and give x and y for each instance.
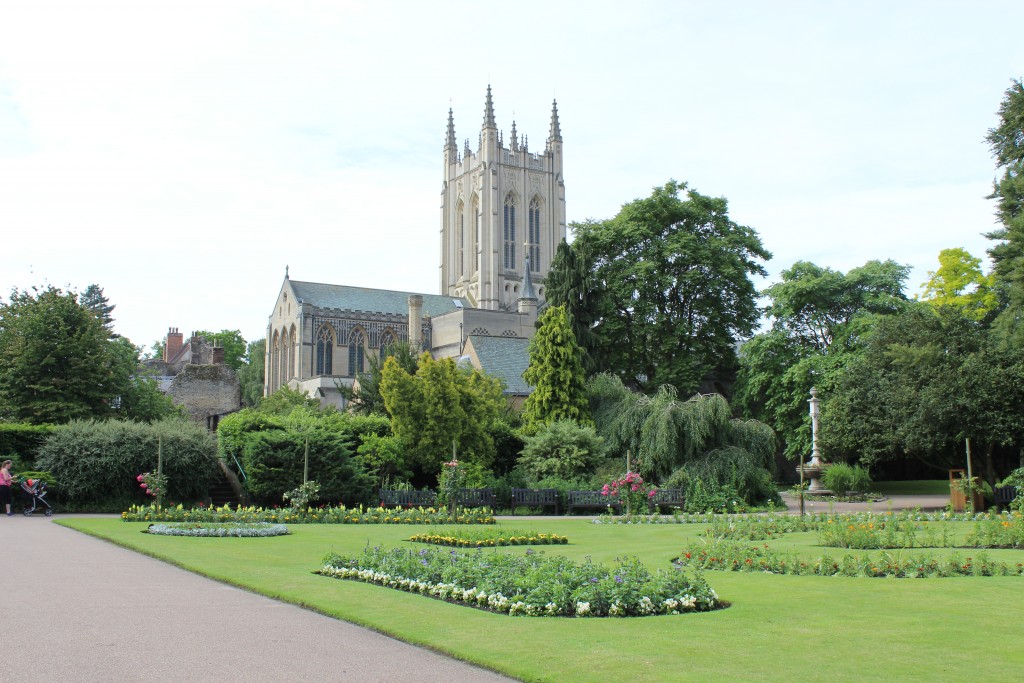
(214, 530)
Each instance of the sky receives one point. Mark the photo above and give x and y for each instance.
(182, 155)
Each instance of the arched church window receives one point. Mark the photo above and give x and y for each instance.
(475, 209)
(510, 231)
(324, 350)
(533, 216)
(356, 353)
(291, 355)
(275, 363)
(387, 340)
(460, 219)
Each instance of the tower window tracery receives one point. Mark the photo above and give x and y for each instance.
(324, 350)
(533, 217)
(510, 231)
(356, 352)
(460, 218)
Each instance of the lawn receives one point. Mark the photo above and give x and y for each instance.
(916, 487)
(778, 627)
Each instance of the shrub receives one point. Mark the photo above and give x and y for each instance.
(20, 442)
(724, 480)
(562, 449)
(97, 462)
(842, 478)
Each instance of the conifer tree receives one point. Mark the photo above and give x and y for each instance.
(555, 373)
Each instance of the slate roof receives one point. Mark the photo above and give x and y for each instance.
(505, 358)
(368, 300)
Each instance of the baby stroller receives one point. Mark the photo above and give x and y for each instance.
(35, 491)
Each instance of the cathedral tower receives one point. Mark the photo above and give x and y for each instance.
(499, 205)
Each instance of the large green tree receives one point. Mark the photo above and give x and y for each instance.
(959, 281)
(1006, 141)
(441, 405)
(96, 301)
(233, 343)
(818, 316)
(571, 284)
(556, 374)
(364, 395)
(673, 276)
(251, 373)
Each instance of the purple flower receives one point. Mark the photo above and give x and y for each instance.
(618, 579)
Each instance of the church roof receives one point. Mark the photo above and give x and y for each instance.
(345, 298)
(505, 358)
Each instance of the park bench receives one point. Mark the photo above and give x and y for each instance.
(535, 498)
(588, 500)
(475, 498)
(392, 498)
(670, 498)
(1003, 496)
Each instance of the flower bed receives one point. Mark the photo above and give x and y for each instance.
(218, 530)
(727, 555)
(488, 537)
(528, 585)
(325, 515)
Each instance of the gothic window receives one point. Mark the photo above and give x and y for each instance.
(291, 355)
(324, 350)
(510, 231)
(475, 208)
(533, 214)
(356, 353)
(387, 340)
(460, 219)
(275, 363)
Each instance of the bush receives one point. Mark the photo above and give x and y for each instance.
(724, 480)
(96, 463)
(20, 442)
(562, 449)
(841, 478)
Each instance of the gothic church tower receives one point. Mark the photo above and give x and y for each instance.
(500, 205)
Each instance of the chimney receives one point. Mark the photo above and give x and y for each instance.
(173, 344)
(218, 355)
(415, 322)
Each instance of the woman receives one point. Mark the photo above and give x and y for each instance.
(6, 481)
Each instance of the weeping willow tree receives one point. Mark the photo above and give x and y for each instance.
(663, 432)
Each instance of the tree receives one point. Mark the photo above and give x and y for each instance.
(1006, 141)
(251, 373)
(960, 282)
(233, 344)
(570, 284)
(672, 275)
(441, 405)
(364, 395)
(818, 317)
(562, 449)
(56, 363)
(556, 374)
(94, 299)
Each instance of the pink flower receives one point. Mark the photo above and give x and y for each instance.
(140, 477)
(652, 493)
(636, 487)
(143, 485)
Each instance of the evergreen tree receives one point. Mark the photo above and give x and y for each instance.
(571, 284)
(94, 299)
(555, 373)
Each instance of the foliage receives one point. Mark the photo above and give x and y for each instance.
(95, 461)
(727, 478)
(663, 433)
(285, 400)
(529, 585)
(556, 374)
(251, 373)
(562, 449)
(629, 492)
(20, 441)
(385, 457)
(489, 537)
(364, 395)
(320, 515)
(154, 484)
(671, 280)
(1006, 140)
(233, 343)
(842, 478)
(960, 282)
(299, 498)
(218, 530)
(453, 478)
(441, 405)
(572, 286)
(94, 299)
(818, 316)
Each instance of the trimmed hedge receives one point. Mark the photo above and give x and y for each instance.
(94, 463)
(20, 442)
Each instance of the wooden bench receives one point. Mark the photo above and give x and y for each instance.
(589, 500)
(671, 498)
(535, 498)
(475, 498)
(1003, 496)
(392, 498)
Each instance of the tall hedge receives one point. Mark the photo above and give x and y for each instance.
(97, 462)
(21, 442)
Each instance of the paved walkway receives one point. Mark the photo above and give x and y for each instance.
(926, 502)
(76, 608)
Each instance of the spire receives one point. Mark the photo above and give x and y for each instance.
(450, 143)
(489, 110)
(527, 282)
(286, 272)
(514, 145)
(556, 131)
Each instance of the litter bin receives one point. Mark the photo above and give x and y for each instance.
(957, 497)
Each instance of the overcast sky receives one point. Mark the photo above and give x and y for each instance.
(181, 154)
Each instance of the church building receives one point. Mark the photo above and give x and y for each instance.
(502, 217)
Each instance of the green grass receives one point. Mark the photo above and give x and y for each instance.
(778, 627)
